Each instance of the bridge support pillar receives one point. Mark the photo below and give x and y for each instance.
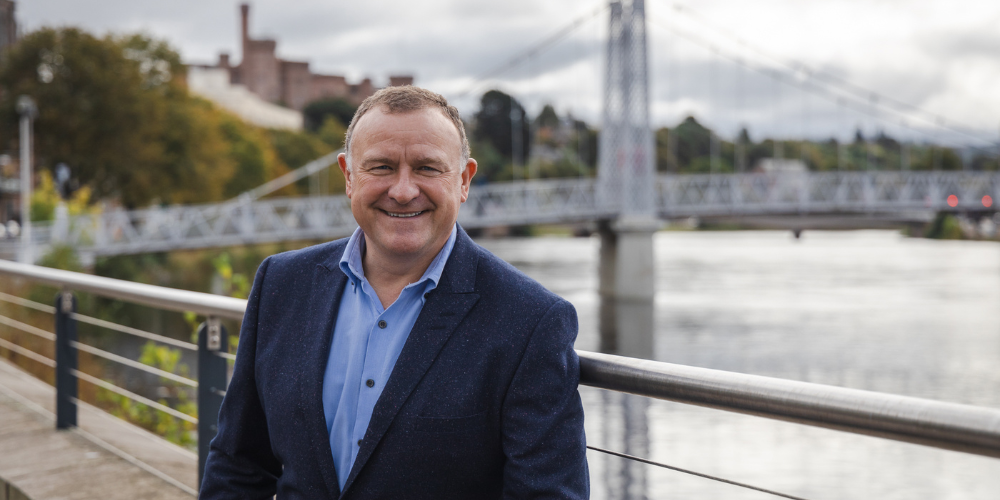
(627, 260)
(627, 286)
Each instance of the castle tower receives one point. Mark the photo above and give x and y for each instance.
(244, 29)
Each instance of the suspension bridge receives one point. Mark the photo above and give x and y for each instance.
(629, 196)
(627, 184)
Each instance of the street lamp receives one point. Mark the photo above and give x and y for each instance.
(28, 111)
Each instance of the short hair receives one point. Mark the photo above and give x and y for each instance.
(404, 99)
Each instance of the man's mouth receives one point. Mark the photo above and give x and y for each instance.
(403, 215)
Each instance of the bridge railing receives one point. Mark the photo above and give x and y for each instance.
(248, 221)
(937, 424)
(826, 192)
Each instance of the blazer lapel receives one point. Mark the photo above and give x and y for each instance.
(327, 289)
(443, 311)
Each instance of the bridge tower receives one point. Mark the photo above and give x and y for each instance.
(626, 169)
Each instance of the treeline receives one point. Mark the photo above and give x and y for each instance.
(508, 144)
(511, 145)
(117, 111)
(687, 148)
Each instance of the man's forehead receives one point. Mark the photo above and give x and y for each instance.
(380, 119)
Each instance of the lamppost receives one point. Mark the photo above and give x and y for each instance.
(27, 109)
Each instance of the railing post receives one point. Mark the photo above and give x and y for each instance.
(66, 361)
(212, 339)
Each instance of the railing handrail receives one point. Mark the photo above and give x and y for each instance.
(971, 429)
(966, 428)
(140, 293)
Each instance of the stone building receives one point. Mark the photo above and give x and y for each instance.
(8, 24)
(290, 83)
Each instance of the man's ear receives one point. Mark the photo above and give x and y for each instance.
(467, 175)
(342, 161)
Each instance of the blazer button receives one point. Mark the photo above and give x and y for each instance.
(370, 383)
(359, 442)
(382, 324)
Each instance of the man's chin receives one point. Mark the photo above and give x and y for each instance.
(404, 247)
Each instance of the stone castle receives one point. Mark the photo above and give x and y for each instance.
(290, 83)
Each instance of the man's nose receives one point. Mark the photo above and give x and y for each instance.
(404, 189)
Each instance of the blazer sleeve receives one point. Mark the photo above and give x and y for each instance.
(240, 461)
(542, 416)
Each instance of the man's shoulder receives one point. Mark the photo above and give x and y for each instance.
(495, 276)
(306, 259)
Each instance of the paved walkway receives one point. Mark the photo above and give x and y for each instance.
(105, 458)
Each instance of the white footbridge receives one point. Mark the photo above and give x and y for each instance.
(245, 221)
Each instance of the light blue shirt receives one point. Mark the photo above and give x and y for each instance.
(367, 340)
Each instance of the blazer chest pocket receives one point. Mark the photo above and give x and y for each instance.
(450, 425)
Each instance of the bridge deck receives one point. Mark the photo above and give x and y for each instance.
(47, 464)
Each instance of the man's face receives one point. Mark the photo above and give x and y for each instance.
(406, 181)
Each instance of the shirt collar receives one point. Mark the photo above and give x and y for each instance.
(350, 262)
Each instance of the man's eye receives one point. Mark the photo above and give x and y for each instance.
(426, 168)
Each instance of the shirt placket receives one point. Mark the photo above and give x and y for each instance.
(369, 383)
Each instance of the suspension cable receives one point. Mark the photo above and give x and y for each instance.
(533, 50)
(845, 85)
(847, 101)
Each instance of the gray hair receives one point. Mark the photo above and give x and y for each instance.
(404, 99)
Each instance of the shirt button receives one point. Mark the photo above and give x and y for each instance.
(370, 383)
(359, 442)
(382, 323)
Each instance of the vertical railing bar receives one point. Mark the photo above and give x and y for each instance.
(212, 368)
(67, 385)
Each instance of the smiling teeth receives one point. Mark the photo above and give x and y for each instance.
(405, 216)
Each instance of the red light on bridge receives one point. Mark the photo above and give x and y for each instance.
(952, 201)
(987, 201)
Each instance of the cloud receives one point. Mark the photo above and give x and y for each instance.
(923, 52)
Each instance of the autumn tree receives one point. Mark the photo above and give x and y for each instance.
(116, 110)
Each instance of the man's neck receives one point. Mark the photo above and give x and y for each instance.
(389, 275)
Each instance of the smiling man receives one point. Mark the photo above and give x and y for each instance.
(405, 361)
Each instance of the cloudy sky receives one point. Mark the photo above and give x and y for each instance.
(916, 68)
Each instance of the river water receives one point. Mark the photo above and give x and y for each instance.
(863, 309)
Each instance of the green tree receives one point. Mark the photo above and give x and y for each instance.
(117, 111)
(494, 124)
(493, 167)
(94, 105)
(547, 118)
(332, 132)
(585, 144)
(316, 112)
(693, 140)
(170, 427)
(295, 149)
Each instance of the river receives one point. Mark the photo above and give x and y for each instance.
(864, 309)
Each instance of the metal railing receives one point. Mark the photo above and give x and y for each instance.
(948, 426)
(211, 348)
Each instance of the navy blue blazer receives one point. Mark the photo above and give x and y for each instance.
(482, 402)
